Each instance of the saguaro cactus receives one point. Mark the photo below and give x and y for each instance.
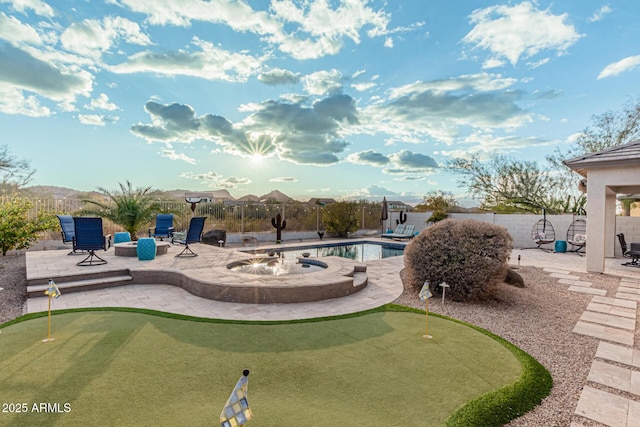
(279, 225)
(402, 219)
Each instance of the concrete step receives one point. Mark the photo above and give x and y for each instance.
(80, 285)
(360, 279)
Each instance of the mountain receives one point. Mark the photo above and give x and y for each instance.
(276, 195)
(249, 198)
(50, 191)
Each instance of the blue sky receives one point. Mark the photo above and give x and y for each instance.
(316, 98)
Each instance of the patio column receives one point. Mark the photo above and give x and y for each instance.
(596, 219)
(609, 223)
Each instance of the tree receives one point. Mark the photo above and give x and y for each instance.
(506, 183)
(14, 173)
(341, 218)
(17, 230)
(438, 202)
(131, 208)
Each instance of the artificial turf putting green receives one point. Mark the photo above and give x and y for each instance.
(128, 368)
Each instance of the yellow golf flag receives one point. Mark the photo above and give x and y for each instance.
(237, 412)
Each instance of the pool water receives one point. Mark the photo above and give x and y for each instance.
(364, 251)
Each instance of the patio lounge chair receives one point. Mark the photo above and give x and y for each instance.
(90, 237)
(406, 233)
(398, 231)
(164, 226)
(68, 232)
(194, 235)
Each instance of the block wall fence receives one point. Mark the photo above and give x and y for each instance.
(520, 225)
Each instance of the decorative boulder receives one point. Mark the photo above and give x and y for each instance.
(212, 237)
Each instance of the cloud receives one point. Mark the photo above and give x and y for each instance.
(284, 179)
(209, 63)
(361, 87)
(486, 145)
(375, 192)
(627, 64)
(278, 76)
(439, 109)
(23, 71)
(388, 42)
(91, 119)
(369, 157)
(39, 7)
(12, 30)
(172, 155)
(101, 103)
(12, 101)
(404, 162)
(519, 32)
(413, 161)
(214, 180)
(599, 14)
(92, 37)
(323, 82)
(304, 31)
(293, 132)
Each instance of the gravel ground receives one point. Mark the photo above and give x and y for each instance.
(538, 319)
(13, 286)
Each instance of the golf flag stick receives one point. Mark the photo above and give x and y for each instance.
(425, 294)
(51, 292)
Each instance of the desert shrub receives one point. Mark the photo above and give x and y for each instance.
(341, 218)
(17, 230)
(471, 256)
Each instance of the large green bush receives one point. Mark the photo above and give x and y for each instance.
(471, 256)
(341, 218)
(17, 230)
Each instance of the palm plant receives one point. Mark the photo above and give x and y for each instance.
(131, 208)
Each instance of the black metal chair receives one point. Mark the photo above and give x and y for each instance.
(577, 235)
(90, 237)
(164, 226)
(623, 245)
(194, 235)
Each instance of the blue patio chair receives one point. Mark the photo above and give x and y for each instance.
(194, 235)
(90, 237)
(164, 226)
(68, 231)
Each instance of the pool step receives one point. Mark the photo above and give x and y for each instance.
(80, 285)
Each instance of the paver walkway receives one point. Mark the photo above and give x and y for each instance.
(612, 393)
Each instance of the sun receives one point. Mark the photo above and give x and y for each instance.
(256, 159)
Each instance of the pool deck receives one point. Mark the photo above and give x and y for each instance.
(383, 286)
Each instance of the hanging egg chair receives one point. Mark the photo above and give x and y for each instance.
(542, 232)
(577, 235)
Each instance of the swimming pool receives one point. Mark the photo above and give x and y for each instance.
(361, 251)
